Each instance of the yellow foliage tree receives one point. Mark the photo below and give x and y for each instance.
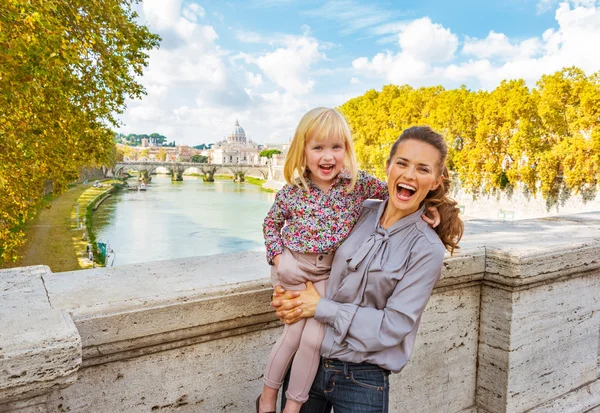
(66, 69)
(546, 139)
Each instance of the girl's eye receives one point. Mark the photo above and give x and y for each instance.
(337, 147)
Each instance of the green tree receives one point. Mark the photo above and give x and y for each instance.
(268, 153)
(200, 159)
(66, 70)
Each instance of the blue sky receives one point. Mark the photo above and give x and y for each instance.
(267, 62)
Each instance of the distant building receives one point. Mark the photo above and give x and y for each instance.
(236, 148)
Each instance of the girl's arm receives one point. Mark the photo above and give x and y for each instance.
(370, 187)
(273, 223)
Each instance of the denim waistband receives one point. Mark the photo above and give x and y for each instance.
(347, 366)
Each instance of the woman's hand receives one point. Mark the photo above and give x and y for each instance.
(435, 219)
(291, 306)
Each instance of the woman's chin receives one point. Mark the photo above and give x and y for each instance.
(404, 206)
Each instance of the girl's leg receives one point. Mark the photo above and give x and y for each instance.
(306, 362)
(278, 363)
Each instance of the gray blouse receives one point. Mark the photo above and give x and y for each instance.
(379, 285)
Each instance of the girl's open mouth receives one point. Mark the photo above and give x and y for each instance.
(326, 168)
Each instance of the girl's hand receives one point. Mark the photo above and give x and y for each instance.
(435, 219)
(304, 306)
(291, 306)
(284, 302)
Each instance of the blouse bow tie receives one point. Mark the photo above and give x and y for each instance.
(378, 240)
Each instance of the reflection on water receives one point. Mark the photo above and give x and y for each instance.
(182, 219)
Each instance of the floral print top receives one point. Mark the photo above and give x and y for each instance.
(314, 221)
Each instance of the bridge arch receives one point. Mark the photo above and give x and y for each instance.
(257, 171)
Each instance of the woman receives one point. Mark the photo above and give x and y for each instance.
(381, 279)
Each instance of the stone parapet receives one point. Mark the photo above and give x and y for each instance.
(512, 326)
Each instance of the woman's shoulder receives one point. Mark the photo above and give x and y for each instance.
(428, 241)
(371, 205)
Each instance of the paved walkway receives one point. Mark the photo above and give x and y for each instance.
(53, 238)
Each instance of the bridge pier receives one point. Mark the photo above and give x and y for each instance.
(209, 176)
(144, 176)
(239, 177)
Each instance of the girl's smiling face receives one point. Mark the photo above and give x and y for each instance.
(324, 159)
(412, 172)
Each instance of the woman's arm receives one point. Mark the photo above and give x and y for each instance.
(367, 329)
(273, 223)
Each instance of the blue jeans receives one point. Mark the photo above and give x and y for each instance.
(347, 388)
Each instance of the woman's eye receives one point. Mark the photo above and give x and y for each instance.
(424, 170)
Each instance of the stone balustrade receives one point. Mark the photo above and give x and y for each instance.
(512, 326)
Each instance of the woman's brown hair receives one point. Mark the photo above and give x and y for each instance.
(451, 226)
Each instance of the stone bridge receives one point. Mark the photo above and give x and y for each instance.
(513, 326)
(177, 169)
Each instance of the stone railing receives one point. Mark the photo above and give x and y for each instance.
(513, 326)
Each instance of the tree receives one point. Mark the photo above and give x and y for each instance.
(200, 159)
(547, 139)
(66, 70)
(162, 155)
(268, 153)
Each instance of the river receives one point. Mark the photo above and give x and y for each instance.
(182, 219)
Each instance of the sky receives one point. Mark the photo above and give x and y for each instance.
(267, 62)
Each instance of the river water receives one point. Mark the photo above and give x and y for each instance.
(182, 219)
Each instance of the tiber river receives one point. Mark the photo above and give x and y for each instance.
(182, 219)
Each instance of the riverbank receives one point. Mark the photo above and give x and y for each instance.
(54, 236)
(248, 179)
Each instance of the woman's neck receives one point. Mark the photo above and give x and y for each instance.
(392, 215)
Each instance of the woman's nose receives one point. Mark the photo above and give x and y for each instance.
(409, 173)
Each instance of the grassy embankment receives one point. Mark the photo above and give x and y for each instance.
(53, 238)
(248, 179)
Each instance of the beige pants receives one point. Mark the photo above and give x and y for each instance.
(296, 268)
(304, 337)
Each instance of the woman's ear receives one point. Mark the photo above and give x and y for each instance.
(436, 184)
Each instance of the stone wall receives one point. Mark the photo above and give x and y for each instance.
(512, 326)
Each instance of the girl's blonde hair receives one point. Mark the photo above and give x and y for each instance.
(318, 123)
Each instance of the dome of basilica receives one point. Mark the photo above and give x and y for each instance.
(237, 134)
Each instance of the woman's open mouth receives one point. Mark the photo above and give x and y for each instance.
(404, 192)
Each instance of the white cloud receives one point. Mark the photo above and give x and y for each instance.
(497, 45)
(192, 11)
(254, 79)
(354, 81)
(289, 66)
(426, 41)
(350, 15)
(427, 50)
(422, 43)
(543, 6)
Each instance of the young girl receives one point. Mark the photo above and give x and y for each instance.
(311, 216)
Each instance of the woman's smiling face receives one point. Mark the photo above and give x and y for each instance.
(412, 172)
